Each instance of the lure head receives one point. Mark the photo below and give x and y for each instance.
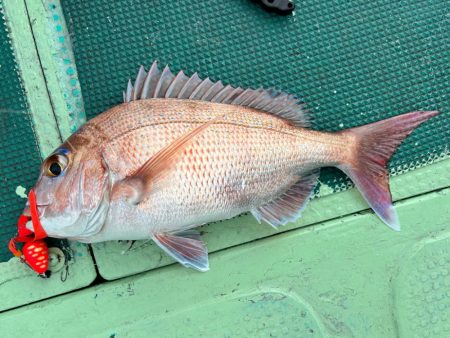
(34, 251)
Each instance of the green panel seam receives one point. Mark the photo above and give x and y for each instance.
(33, 81)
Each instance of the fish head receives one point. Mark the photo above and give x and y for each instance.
(71, 193)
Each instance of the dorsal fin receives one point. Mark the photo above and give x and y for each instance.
(157, 84)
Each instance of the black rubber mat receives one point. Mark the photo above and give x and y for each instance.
(352, 62)
(19, 154)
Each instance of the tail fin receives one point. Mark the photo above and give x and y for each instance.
(376, 143)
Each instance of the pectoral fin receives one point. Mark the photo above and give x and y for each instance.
(134, 188)
(186, 247)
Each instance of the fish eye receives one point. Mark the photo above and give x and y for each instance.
(55, 165)
(55, 169)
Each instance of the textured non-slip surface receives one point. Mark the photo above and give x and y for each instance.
(352, 62)
(19, 154)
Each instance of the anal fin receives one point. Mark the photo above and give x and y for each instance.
(288, 207)
(185, 247)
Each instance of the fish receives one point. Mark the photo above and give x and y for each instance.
(182, 151)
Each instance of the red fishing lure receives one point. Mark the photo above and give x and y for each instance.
(34, 251)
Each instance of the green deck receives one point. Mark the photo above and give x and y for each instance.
(344, 278)
(337, 272)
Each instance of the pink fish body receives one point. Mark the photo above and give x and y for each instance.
(182, 152)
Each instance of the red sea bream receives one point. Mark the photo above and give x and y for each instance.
(181, 152)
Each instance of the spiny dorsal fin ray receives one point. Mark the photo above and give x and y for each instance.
(157, 84)
(150, 82)
(176, 86)
(138, 83)
(165, 80)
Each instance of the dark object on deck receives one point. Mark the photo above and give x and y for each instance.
(279, 6)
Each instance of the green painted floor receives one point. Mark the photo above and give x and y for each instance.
(349, 277)
(337, 272)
